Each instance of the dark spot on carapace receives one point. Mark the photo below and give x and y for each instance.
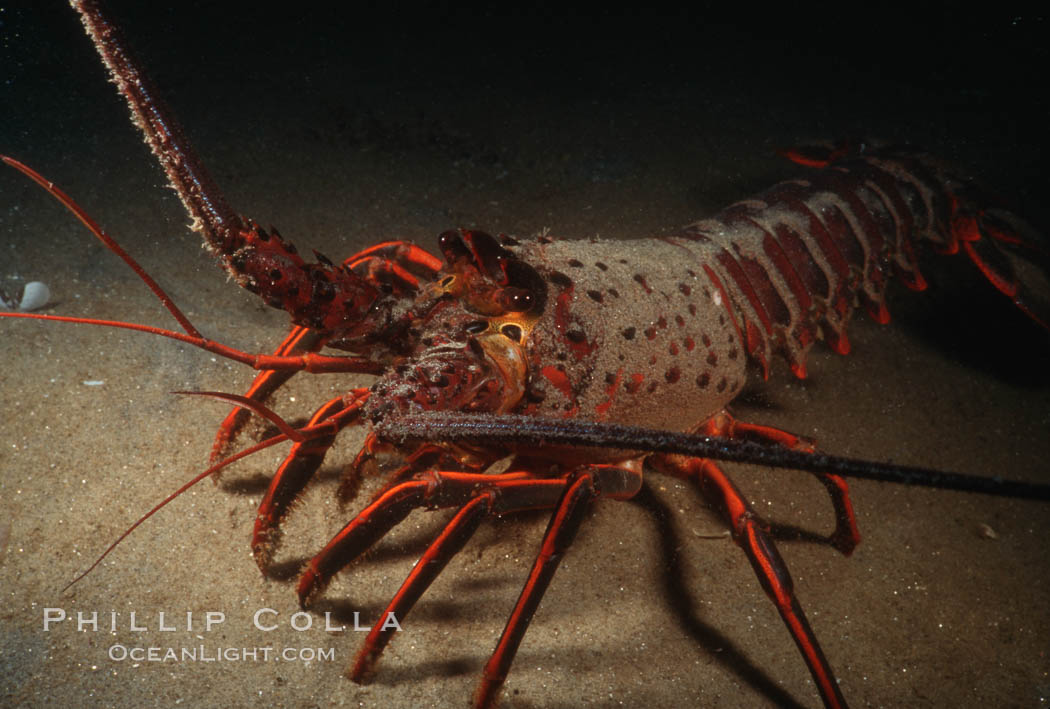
(622, 260)
(652, 387)
(672, 375)
(691, 272)
(610, 378)
(679, 321)
(652, 359)
(275, 274)
(601, 265)
(594, 295)
(686, 290)
(692, 309)
(650, 333)
(323, 291)
(689, 344)
(706, 340)
(721, 384)
(576, 335)
(712, 358)
(721, 319)
(628, 334)
(575, 264)
(732, 353)
(640, 279)
(636, 382)
(673, 348)
(614, 293)
(662, 322)
(702, 380)
(560, 279)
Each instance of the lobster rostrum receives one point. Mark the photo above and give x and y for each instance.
(598, 336)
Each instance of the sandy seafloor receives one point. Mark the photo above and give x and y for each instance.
(344, 131)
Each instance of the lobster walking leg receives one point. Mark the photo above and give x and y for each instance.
(518, 490)
(750, 533)
(483, 495)
(448, 543)
(299, 341)
(845, 536)
(586, 485)
(295, 472)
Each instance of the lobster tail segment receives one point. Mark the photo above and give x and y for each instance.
(798, 258)
(954, 215)
(1014, 264)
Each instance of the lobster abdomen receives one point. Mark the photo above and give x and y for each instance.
(630, 326)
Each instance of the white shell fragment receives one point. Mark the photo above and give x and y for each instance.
(34, 296)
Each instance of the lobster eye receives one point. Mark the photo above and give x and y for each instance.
(512, 332)
(516, 300)
(446, 239)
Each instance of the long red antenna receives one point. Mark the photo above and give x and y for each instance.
(105, 238)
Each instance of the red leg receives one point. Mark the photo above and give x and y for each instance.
(846, 536)
(436, 489)
(480, 495)
(583, 486)
(295, 472)
(425, 457)
(298, 341)
(456, 533)
(403, 253)
(750, 534)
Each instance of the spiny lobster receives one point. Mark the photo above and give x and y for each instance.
(654, 333)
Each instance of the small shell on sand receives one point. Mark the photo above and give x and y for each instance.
(35, 295)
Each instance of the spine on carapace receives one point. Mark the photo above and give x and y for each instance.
(796, 259)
